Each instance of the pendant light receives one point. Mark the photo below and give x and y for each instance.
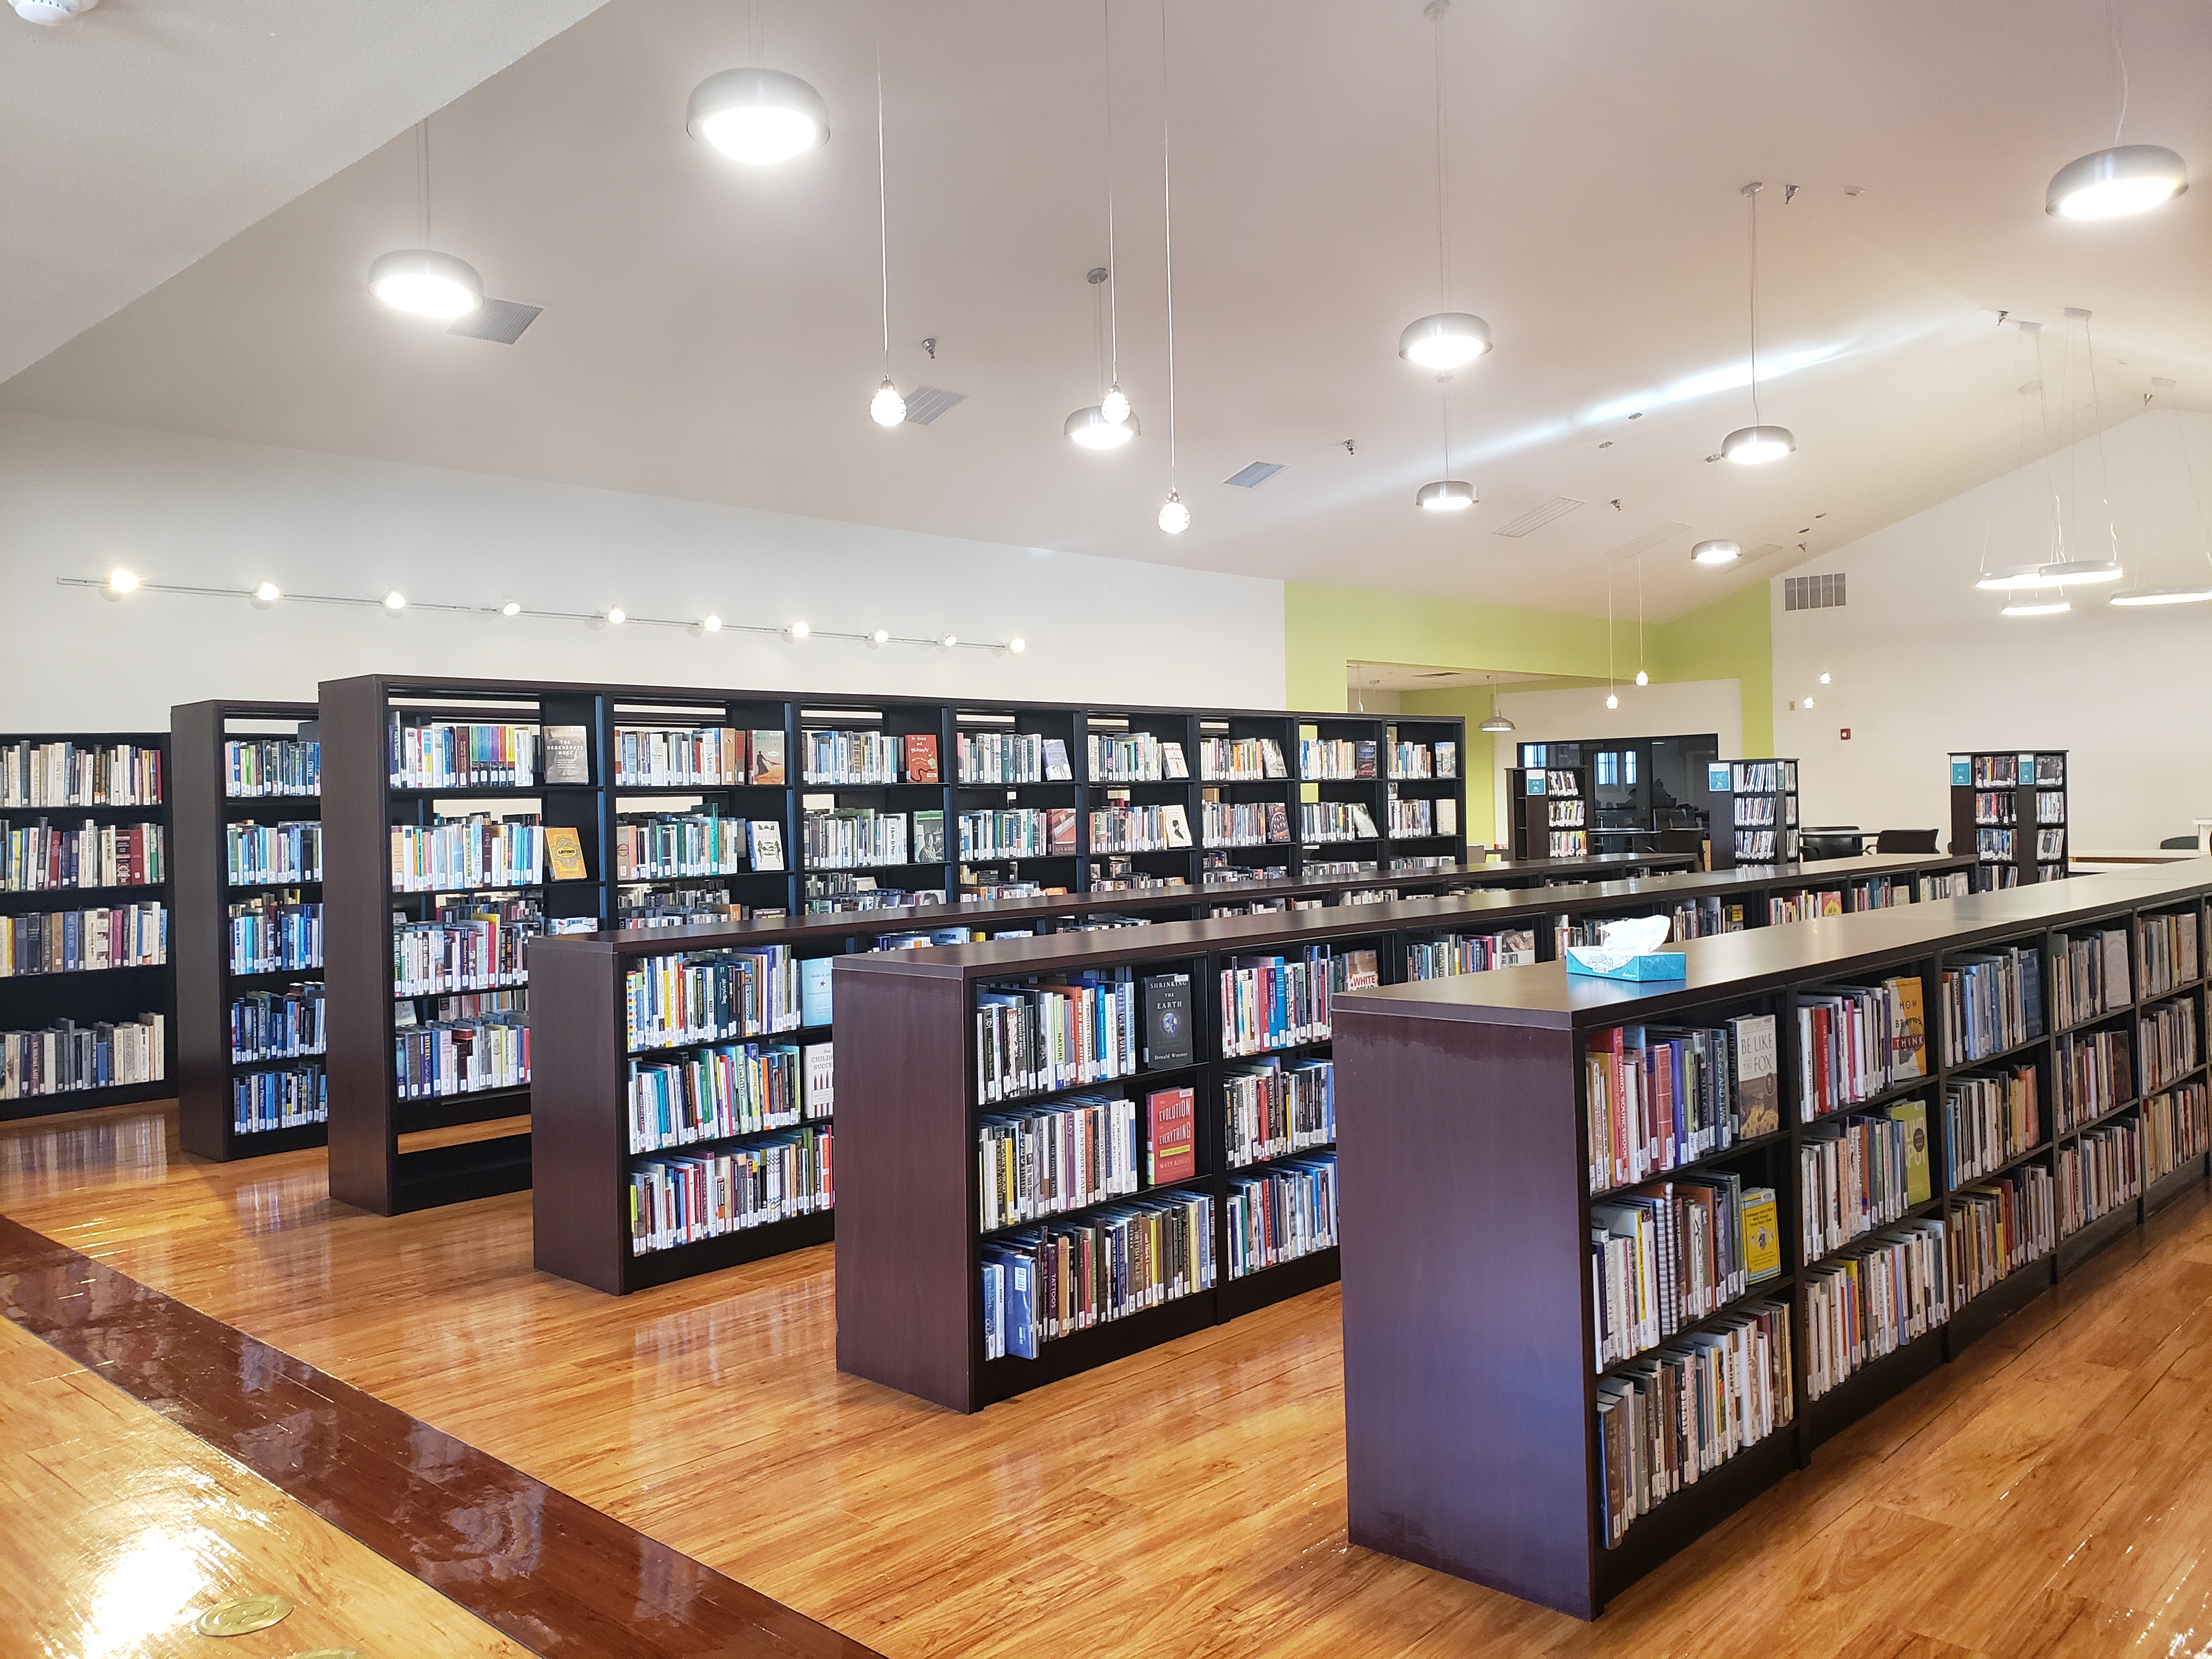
(1758, 443)
(1497, 723)
(1114, 405)
(418, 281)
(1174, 515)
(886, 407)
(2152, 596)
(1612, 695)
(1445, 339)
(2124, 180)
(2021, 578)
(1097, 427)
(1716, 552)
(1641, 678)
(758, 116)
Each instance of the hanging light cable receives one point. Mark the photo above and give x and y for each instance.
(1174, 517)
(2104, 569)
(1641, 678)
(886, 407)
(1496, 723)
(417, 280)
(1612, 692)
(1114, 405)
(1758, 442)
(2140, 596)
(1446, 339)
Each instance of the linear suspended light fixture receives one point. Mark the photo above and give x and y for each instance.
(2161, 595)
(2036, 608)
(2081, 570)
(2024, 577)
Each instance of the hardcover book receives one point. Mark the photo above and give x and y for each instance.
(921, 757)
(1056, 768)
(814, 983)
(929, 837)
(1908, 1038)
(768, 759)
(1172, 763)
(1918, 1182)
(1762, 1235)
(766, 838)
(1059, 831)
(1167, 1021)
(564, 852)
(821, 1079)
(1176, 823)
(1171, 1150)
(568, 757)
(1758, 1082)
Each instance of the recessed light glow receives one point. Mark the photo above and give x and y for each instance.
(1755, 446)
(1445, 340)
(1446, 495)
(395, 600)
(881, 636)
(2161, 596)
(427, 284)
(758, 116)
(2113, 183)
(2036, 608)
(1716, 552)
(1090, 428)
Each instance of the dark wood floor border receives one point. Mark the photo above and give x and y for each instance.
(554, 1574)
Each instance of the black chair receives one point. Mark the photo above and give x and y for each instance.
(1830, 841)
(1900, 842)
(2173, 843)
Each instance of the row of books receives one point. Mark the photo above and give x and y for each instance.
(473, 953)
(686, 1201)
(2166, 1036)
(677, 845)
(74, 775)
(1568, 844)
(411, 1011)
(1132, 757)
(1051, 1159)
(713, 1093)
(2098, 1173)
(1998, 1227)
(1140, 829)
(278, 1024)
(1666, 1256)
(1988, 1122)
(2176, 1126)
(1545, 780)
(2090, 978)
(2004, 771)
(1447, 954)
(288, 1098)
(1017, 832)
(2050, 806)
(256, 767)
(1409, 820)
(1991, 1003)
(477, 851)
(1072, 1276)
(84, 941)
(1241, 759)
(1678, 1414)
(1034, 1039)
(1336, 820)
(464, 755)
(868, 757)
(36, 858)
(272, 935)
(1702, 918)
(1995, 808)
(2093, 1073)
(1757, 811)
(2169, 946)
(66, 1056)
(461, 1057)
(1288, 1212)
(1421, 760)
(1767, 777)
(1872, 1300)
(1765, 846)
(1336, 757)
(1854, 1042)
(1244, 823)
(1270, 1002)
(710, 996)
(676, 757)
(1272, 1110)
(272, 854)
(1659, 1097)
(1010, 758)
(1861, 1173)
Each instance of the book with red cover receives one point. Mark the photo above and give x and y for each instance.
(921, 757)
(1171, 1153)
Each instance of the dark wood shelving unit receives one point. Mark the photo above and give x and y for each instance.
(908, 1267)
(2005, 789)
(1767, 800)
(204, 811)
(1531, 791)
(1471, 1399)
(30, 1002)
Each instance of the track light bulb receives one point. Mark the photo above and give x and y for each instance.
(887, 408)
(798, 631)
(881, 636)
(395, 600)
(510, 607)
(1018, 644)
(950, 640)
(121, 582)
(617, 616)
(712, 624)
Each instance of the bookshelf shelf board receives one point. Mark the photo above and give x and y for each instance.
(453, 1111)
(439, 1175)
(1652, 1540)
(521, 984)
(730, 1250)
(1927, 1206)
(2171, 1083)
(1888, 1096)
(260, 1143)
(2041, 1149)
(1995, 1057)
(1082, 1351)
(1982, 1312)
(1766, 1291)
(12, 897)
(847, 869)
(1753, 1148)
(85, 1100)
(400, 894)
(1061, 1217)
(272, 978)
(1261, 1165)
(685, 1148)
(2094, 1234)
(151, 810)
(253, 889)
(782, 1037)
(1149, 1077)
(1873, 1384)
(274, 1062)
(2093, 1022)
(73, 974)
(2099, 1121)
(2190, 1172)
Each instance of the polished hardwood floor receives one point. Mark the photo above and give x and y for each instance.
(2048, 1494)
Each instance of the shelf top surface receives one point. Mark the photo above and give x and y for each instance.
(1747, 963)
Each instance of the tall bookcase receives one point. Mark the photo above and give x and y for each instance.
(210, 797)
(72, 881)
(1547, 804)
(2010, 808)
(1473, 1434)
(1755, 819)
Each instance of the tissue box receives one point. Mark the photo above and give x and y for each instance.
(1650, 965)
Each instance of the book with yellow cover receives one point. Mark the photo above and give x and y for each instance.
(1908, 1044)
(1919, 1187)
(564, 851)
(1762, 1235)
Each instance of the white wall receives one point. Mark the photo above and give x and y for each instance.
(1685, 706)
(1923, 665)
(79, 500)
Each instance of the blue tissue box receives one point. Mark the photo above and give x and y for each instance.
(1652, 965)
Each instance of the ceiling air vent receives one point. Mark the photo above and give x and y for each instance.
(498, 320)
(1254, 476)
(926, 403)
(1537, 517)
(1646, 541)
(1763, 550)
(1822, 592)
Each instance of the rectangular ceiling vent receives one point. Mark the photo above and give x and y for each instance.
(1765, 549)
(498, 320)
(1646, 541)
(926, 403)
(1537, 517)
(1822, 592)
(1254, 476)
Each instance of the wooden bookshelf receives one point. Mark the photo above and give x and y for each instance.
(36, 1001)
(1537, 794)
(203, 810)
(2004, 794)
(1471, 1399)
(1760, 798)
(908, 1241)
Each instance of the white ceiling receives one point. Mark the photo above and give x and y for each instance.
(712, 332)
(144, 135)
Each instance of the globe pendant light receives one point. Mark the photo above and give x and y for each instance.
(1756, 444)
(2114, 183)
(1716, 552)
(1175, 515)
(417, 281)
(758, 116)
(1090, 428)
(1445, 339)
(1109, 423)
(886, 407)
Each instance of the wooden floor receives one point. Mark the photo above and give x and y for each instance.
(2049, 1494)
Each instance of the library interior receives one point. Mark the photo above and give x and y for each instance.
(685, 858)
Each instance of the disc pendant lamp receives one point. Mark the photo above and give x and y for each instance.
(419, 280)
(758, 116)
(1758, 443)
(2121, 180)
(1445, 339)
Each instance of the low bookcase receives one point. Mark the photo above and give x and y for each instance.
(1473, 1380)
